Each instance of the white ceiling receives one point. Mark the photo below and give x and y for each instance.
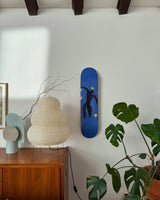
(87, 3)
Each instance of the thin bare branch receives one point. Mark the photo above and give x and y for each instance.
(51, 87)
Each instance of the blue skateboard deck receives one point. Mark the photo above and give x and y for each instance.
(89, 102)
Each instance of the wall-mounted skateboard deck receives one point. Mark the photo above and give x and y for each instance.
(89, 102)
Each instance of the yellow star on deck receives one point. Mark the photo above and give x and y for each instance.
(81, 90)
(81, 98)
(92, 88)
(95, 115)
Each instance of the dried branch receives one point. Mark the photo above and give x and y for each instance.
(46, 90)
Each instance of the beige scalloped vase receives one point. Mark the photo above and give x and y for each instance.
(49, 125)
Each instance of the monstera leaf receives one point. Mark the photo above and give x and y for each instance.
(116, 179)
(143, 155)
(134, 197)
(138, 178)
(152, 130)
(156, 148)
(99, 187)
(116, 133)
(158, 164)
(125, 113)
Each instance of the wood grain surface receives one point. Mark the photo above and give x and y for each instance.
(38, 174)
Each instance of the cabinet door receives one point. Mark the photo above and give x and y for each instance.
(31, 183)
(0, 183)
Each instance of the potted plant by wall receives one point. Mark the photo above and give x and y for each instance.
(142, 182)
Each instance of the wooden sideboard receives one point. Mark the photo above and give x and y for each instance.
(34, 174)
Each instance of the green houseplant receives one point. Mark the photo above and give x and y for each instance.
(137, 179)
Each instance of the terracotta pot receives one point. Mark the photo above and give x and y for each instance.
(154, 192)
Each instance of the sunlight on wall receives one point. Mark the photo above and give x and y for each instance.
(23, 60)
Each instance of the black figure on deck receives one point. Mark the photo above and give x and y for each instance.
(87, 105)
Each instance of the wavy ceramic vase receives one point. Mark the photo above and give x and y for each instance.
(13, 133)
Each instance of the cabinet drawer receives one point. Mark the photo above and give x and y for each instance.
(31, 183)
(0, 182)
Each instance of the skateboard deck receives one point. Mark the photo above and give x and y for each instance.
(89, 102)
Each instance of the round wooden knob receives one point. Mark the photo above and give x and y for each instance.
(10, 134)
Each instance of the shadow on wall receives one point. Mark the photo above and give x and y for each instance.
(22, 108)
(80, 164)
(26, 60)
(72, 119)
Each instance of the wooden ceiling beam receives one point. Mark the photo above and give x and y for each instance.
(77, 6)
(32, 7)
(123, 6)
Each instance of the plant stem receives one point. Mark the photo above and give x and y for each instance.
(123, 167)
(144, 138)
(156, 167)
(127, 156)
(125, 150)
(134, 165)
(119, 162)
(139, 154)
(114, 166)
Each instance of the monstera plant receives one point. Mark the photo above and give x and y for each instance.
(138, 179)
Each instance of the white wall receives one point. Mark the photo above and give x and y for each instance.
(123, 49)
